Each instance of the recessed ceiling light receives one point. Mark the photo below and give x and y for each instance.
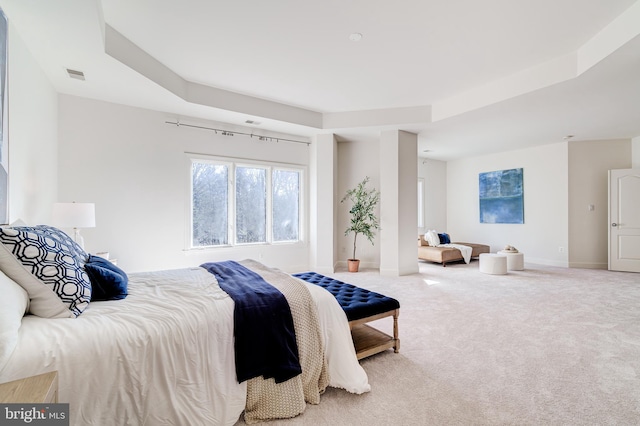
(355, 37)
(567, 137)
(255, 123)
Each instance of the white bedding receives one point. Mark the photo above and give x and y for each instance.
(164, 355)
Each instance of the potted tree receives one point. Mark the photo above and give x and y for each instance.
(363, 217)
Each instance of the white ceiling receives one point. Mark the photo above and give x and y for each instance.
(469, 77)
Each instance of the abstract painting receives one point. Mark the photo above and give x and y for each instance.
(501, 197)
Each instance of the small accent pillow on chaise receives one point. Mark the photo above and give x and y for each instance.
(432, 238)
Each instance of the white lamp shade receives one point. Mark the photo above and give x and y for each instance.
(74, 215)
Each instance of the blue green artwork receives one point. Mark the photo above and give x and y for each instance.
(501, 197)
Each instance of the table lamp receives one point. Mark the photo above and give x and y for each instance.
(74, 215)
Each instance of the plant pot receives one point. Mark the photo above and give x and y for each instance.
(353, 264)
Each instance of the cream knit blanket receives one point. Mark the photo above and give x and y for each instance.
(267, 400)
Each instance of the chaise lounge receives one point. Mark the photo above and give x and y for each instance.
(443, 254)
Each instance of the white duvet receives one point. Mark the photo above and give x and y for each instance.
(162, 356)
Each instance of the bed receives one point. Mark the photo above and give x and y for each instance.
(164, 352)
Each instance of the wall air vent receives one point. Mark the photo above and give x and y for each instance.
(78, 75)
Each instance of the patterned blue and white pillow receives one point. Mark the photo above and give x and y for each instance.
(49, 265)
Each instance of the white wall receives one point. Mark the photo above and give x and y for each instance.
(434, 173)
(545, 227)
(33, 137)
(323, 211)
(356, 159)
(133, 167)
(398, 203)
(589, 163)
(131, 164)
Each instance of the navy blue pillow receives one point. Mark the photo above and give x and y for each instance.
(108, 282)
(444, 238)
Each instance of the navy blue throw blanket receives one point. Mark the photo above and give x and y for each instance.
(265, 339)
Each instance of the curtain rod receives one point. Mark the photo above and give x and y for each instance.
(230, 133)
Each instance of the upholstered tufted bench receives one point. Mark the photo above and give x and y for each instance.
(362, 306)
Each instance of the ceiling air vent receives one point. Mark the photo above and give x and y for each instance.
(79, 75)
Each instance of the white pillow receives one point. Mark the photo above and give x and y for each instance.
(49, 265)
(14, 302)
(432, 238)
(427, 238)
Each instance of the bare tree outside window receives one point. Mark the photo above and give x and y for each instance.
(286, 190)
(251, 205)
(225, 194)
(210, 204)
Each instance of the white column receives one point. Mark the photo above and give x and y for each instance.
(323, 183)
(398, 203)
(635, 153)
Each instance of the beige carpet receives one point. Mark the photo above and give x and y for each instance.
(543, 346)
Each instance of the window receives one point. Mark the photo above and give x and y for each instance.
(251, 205)
(286, 205)
(210, 204)
(235, 203)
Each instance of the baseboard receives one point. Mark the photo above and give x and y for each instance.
(584, 265)
(342, 264)
(323, 270)
(567, 264)
(546, 262)
(398, 273)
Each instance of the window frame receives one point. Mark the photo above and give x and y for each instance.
(232, 163)
(301, 202)
(420, 202)
(232, 210)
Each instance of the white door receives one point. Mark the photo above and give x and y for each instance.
(624, 220)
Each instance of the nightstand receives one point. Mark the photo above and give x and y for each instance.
(40, 389)
(105, 255)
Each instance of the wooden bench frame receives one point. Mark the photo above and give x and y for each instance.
(369, 340)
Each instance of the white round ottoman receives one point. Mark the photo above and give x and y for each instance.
(515, 261)
(493, 263)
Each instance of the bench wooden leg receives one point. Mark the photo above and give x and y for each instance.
(396, 348)
(369, 340)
